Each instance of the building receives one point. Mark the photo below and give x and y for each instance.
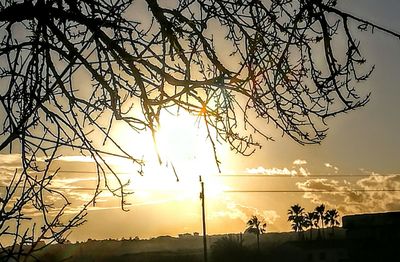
(373, 237)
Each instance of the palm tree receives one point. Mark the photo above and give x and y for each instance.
(331, 219)
(311, 221)
(257, 227)
(320, 211)
(296, 217)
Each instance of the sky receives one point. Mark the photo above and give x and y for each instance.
(361, 152)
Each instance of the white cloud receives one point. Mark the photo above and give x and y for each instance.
(304, 172)
(300, 170)
(347, 200)
(332, 166)
(271, 171)
(299, 162)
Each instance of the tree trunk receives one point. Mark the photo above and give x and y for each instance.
(258, 242)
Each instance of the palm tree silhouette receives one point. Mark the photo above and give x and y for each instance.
(311, 221)
(297, 218)
(257, 227)
(320, 211)
(331, 219)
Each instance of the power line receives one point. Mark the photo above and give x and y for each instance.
(239, 175)
(311, 191)
(235, 191)
(298, 176)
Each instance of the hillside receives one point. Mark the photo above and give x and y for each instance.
(163, 248)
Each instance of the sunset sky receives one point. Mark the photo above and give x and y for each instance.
(361, 151)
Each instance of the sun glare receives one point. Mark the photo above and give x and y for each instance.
(182, 140)
(185, 154)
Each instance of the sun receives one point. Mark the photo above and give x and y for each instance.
(182, 140)
(184, 151)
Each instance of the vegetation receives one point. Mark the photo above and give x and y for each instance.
(273, 71)
(311, 219)
(297, 218)
(331, 219)
(256, 226)
(229, 248)
(301, 220)
(320, 210)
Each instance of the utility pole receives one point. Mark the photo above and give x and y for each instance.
(204, 219)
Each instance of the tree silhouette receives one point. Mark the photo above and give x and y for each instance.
(22, 194)
(257, 227)
(311, 220)
(331, 219)
(297, 219)
(320, 211)
(274, 72)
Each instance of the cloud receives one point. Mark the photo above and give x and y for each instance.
(300, 170)
(299, 162)
(304, 172)
(232, 210)
(10, 160)
(270, 216)
(6, 176)
(376, 181)
(74, 182)
(332, 167)
(348, 201)
(271, 171)
(14, 160)
(76, 158)
(319, 184)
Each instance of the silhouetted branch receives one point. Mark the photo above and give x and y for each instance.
(285, 68)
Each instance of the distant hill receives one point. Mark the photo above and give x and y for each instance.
(163, 248)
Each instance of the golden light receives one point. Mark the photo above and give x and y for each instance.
(182, 140)
(185, 152)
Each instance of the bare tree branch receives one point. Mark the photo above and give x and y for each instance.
(285, 68)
